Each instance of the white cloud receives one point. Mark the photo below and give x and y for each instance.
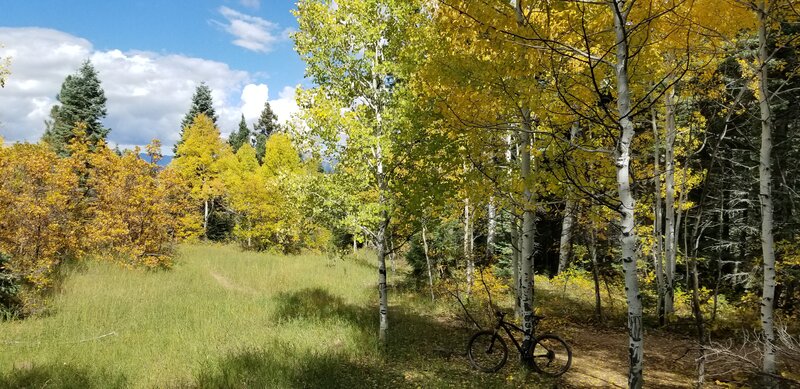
(255, 4)
(251, 32)
(148, 93)
(253, 98)
(285, 105)
(26, 99)
(152, 92)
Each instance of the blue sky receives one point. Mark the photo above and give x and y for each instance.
(150, 56)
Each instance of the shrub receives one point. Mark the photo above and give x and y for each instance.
(9, 288)
(444, 251)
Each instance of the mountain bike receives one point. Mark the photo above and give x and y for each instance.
(548, 354)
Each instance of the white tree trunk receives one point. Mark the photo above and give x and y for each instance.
(468, 246)
(511, 154)
(627, 224)
(670, 241)
(428, 262)
(383, 308)
(526, 287)
(598, 307)
(679, 217)
(491, 227)
(472, 242)
(565, 244)
(765, 195)
(658, 249)
(383, 189)
(205, 218)
(516, 245)
(567, 223)
(382, 246)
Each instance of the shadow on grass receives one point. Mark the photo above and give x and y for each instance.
(61, 376)
(317, 304)
(407, 331)
(284, 367)
(362, 259)
(421, 352)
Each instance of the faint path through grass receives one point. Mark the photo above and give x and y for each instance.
(227, 284)
(223, 318)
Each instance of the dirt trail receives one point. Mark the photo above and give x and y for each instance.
(600, 359)
(229, 285)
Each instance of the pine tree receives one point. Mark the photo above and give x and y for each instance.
(268, 122)
(201, 103)
(238, 138)
(82, 100)
(267, 125)
(260, 146)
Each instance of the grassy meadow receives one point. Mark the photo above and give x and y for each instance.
(226, 318)
(223, 318)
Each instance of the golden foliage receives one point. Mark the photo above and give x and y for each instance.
(268, 200)
(199, 159)
(95, 202)
(131, 213)
(37, 200)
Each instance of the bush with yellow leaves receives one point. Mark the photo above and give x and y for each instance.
(94, 202)
(38, 227)
(269, 200)
(131, 213)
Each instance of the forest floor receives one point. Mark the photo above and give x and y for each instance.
(223, 318)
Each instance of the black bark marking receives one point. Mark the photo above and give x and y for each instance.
(635, 328)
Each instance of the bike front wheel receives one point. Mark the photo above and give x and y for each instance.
(551, 355)
(487, 351)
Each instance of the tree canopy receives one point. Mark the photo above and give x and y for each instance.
(81, 100)
(202, 103)
(240, 137)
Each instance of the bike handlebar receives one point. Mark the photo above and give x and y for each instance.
(501, 314)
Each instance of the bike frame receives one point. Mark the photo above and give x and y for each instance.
(505, 325)
(525, 347)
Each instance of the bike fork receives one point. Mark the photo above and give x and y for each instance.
(496, 335)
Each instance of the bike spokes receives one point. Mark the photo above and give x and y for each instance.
(551, 355)
(487, 351)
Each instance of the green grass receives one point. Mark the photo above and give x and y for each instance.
(226, 318)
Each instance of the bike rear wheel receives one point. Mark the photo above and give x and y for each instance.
(551, 355)
(487, 351)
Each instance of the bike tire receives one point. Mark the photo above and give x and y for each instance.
(487, 351)
(551, 355)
